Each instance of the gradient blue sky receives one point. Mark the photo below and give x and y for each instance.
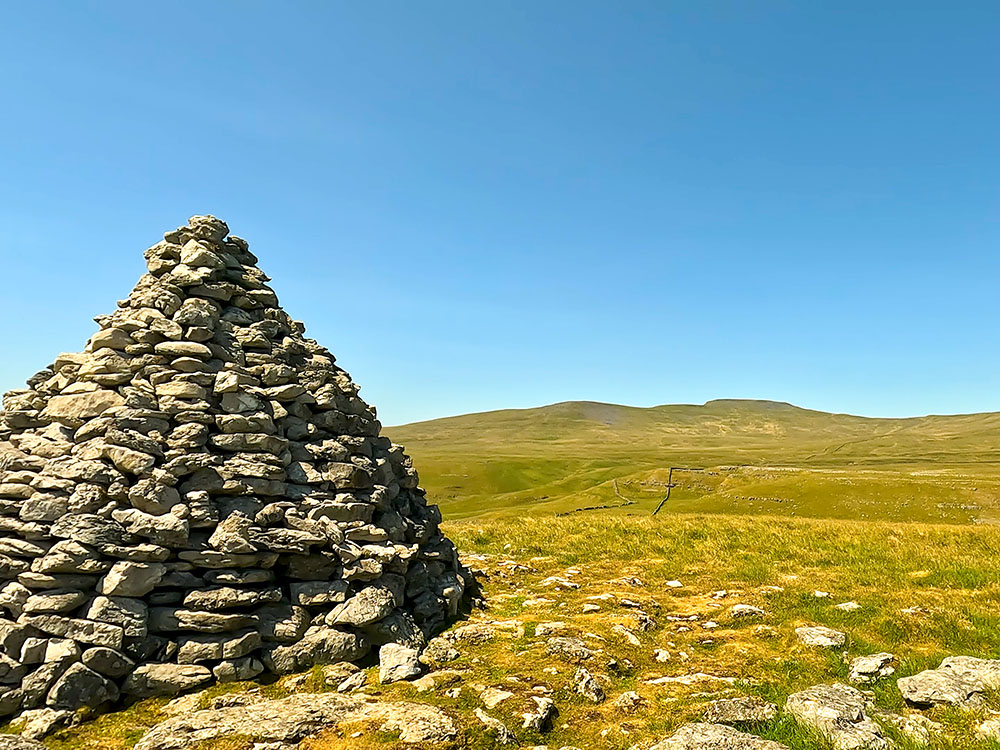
(490, 205)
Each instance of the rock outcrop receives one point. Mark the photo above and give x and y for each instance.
(202, 495)
(287, 721)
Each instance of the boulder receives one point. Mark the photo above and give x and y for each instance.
(841, 714)
(714, 737)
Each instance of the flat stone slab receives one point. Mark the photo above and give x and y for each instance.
(749, 710)
(290, 720)
(865, 669)
(817, 635)
(958, 681)
(714, 737)
(840, 713)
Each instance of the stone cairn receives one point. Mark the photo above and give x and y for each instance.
(201, 494)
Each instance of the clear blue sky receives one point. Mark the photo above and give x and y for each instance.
(489, 205)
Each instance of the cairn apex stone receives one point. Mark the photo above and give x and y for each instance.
(201, 494)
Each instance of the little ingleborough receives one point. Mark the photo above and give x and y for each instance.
(202, 495)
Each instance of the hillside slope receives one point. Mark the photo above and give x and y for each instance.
(574, 455)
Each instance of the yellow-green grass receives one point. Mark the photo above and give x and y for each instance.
(952, 573)
(766, 457)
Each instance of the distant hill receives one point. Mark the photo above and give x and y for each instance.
(576, 454)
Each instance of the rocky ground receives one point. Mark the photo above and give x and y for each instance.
(619, 654)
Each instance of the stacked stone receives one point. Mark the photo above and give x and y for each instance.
(201, 494)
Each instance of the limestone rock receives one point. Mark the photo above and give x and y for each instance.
(289, 720)
(748, 710)
(397, 663)
(165, 679)
(540, 719)
(503, 734)
(714, 737)
(841, 713)
(585, 684)
(866, 669)
(958, 681)
(820, 637)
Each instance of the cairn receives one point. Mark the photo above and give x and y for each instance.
(202, 495)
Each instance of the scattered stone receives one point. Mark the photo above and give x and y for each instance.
(628, 702)
(37, 724)
(397, 663)
(867, 669)
(747, 710)
(355, 682)
(915, 727)
(841, 714)
(541, 718)
(292, 719)
(674, 585)
(585, 684)
(848, 606)
(493, 697)
(572, 649)
(544, 629)
(714, 737)
(820, 636)
(958, 681)
(627, 634)
(690, 679)
(742, 611)
(503, 734)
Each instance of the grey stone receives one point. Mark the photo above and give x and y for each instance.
(319, 645)
(84, 631)
(131, 578)
(228, 597)
(714, 737)
(396, 662)
(78, 687)
(820, 636)
(540, 719)
(748, 710)
(369, 605)
(841, 714)
(54, 601)
(503, 734)
(958, 681)
(232, 535)
(572, 649)
(39, 723)
(586, 685)
(151, 680)
(237, 670)
(131, 615)
(319, 593)
(89, 529)
(289, 720)
(866, 669)
(108, 662)
(74, 408)
(168, 529)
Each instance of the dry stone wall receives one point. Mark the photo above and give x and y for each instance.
(202, 495)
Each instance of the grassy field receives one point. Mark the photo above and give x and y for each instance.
(760, 457)
(535, 574)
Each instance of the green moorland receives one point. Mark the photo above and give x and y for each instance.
(757, 457)
(925, 592)
(551, 508)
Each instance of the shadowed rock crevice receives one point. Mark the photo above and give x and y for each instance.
(202, 495)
